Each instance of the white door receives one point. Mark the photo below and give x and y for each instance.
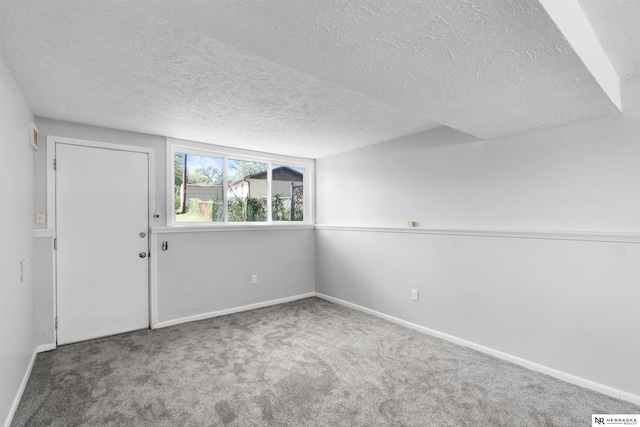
(102, 221)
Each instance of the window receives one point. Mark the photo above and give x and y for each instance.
(287, 190)
(246, 191)
(198, 188)
(215, 185)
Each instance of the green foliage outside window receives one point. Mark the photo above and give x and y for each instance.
(247, 210)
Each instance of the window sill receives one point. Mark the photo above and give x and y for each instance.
(197, 228)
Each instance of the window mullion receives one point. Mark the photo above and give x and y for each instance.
(171, 204)
(225, 208)
(269, 188)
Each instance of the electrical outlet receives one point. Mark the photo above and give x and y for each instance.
(414, 295)
(254, 279)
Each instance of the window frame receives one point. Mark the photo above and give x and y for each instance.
(226, 153)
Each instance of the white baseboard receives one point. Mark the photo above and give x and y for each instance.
(224, 312)
(46, 347)
(582, 382)
(23, 385)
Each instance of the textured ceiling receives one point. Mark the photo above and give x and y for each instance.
(617, 25)
(300, 77)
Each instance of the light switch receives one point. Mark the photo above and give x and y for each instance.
(24, 270)
(41, 218)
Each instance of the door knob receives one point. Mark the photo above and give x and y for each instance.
(143, 254)
(142, 235)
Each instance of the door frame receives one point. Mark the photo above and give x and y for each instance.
(52, 140)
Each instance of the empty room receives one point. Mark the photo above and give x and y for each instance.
(319, 212)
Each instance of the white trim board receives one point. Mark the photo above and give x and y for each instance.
(43, 233)
(227, 311)
(572, 379)
(23, 385)
(586, 236)
(50, 234)
(153, 278)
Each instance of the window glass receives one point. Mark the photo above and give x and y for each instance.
(246, 191)
(287, 193)
(198, 188)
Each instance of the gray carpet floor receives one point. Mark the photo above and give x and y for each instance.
(304, 363)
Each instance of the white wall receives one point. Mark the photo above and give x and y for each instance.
(43, 277)
(17, 329)
(578, 177)
(570, 305)
(207, 272)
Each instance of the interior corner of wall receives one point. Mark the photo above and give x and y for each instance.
(630, 91)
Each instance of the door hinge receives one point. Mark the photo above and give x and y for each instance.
(56, 323)
(55, 243)
(55, 164)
